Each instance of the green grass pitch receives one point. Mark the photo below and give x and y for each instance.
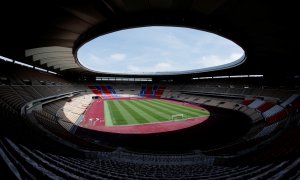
(134, 112)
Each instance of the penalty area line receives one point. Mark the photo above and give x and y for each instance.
(136, 124)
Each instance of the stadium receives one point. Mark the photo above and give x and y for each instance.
(63, 120)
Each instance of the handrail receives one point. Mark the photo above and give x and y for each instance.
(46, 100)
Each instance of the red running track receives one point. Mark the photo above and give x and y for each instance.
(94, 119)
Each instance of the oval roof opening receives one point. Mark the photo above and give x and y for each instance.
(159, 50)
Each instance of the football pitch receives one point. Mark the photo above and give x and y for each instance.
(136, 112)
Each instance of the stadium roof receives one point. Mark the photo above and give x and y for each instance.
(48, 33)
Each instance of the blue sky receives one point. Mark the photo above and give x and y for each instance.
(157, 49)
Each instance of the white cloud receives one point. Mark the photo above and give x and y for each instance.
(159, 67)
(166, 53)
(163, 66)
(118, 56)
(133, 68)
(93, 57)
(214, 60)
(173, 41)
(235, 56)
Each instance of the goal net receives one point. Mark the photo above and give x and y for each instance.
(175, 117)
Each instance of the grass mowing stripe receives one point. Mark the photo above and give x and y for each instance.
(142, 110)
(170, 111)
(181, 108)
(173, 110)
(130, 119)
(107, 115)
(117, 117)
(178, 106)
(161, 115)
(137, 115)
(189, 110)
(178, 109)
(156, 116)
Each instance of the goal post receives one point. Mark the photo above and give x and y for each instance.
(175, 117)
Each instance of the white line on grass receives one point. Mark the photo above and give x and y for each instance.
(134, 124)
